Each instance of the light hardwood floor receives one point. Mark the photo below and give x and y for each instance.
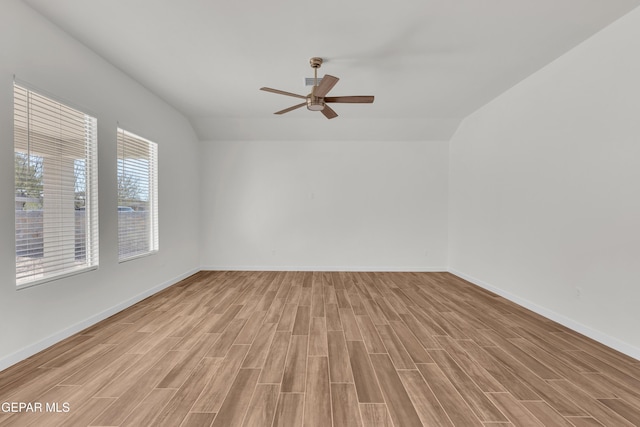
(325, 349)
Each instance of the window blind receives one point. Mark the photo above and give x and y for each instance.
(137, 196)
(56, 189)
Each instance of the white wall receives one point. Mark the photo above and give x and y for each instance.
(39, 53)
(324, 205)
(544, 189)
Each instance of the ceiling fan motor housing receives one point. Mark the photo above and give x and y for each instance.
(314, 103)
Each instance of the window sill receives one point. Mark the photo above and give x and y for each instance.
(131, 258)
(47, 279)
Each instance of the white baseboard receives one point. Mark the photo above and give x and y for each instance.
(368, 268)
(34, 348)
(599, 336)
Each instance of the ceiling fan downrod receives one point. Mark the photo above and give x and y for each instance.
(313, 102)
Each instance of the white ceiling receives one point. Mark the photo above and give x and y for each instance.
(429, 63)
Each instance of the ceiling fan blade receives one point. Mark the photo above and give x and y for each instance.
(325, 85)
(350, 99)
(286, 110)
(328, 112)
(281, 92)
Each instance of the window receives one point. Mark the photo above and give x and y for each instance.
(56, 189)
(137, 196)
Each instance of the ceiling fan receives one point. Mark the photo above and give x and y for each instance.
(317, 99)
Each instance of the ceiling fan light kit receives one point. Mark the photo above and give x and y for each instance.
(317, 99)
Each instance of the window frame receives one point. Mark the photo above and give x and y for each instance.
(150, 188)
(35, 116)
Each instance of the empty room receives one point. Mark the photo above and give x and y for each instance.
(360, 213)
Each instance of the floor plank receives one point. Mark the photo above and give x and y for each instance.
(146, 412)
(349, 324)
(216, 390)
(514, 410)
(454, 405)
(263, 405)
(289, 411)
(174, 412)
(363, 374)
(130, 397)
(198, 419)
(344, 404)
(321, 348)
(235, 405)
(301, 322)
(274, 364)
(546, 414)
(339, 366)
(296, 365)
(426, 403)
(399, 355)
(318, 337)
(370, 335)
(317, 401)
(258, 352)
(402, 412)
(623, 408)
(375, 415)
(470, 392)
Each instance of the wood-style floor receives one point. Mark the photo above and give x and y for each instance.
(325, 349)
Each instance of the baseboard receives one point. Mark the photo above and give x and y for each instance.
(32, 349)
(369, 268)
(594, 334)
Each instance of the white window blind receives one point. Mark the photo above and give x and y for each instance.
(56, 189)
(137, 196)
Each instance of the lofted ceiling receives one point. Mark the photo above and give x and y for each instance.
(429, 63)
